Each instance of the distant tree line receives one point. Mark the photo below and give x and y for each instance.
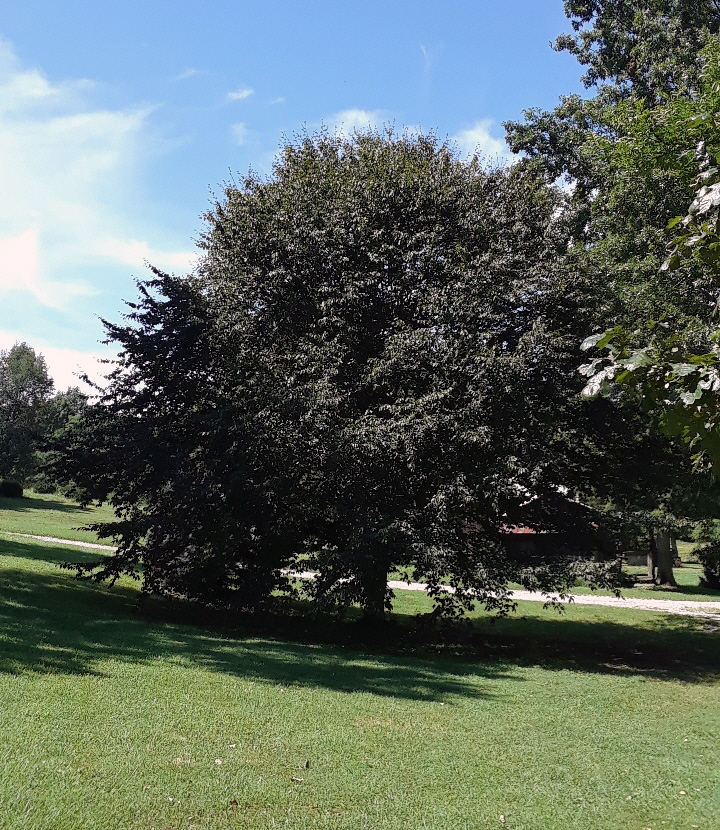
(32, 417)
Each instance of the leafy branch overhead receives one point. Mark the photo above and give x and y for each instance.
(681, 382)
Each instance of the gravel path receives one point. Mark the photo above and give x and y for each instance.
(108, 548)
(687, 608)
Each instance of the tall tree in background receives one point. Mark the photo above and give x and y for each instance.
(25, 387)
(627, 154)
(646, 49)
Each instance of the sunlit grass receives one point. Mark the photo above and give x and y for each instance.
(51, 515)
(114, 719)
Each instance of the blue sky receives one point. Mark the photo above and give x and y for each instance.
(118, 121)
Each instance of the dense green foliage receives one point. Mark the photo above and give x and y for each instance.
(671, 359)
(709, 558)
(629, 157)
(642, 152)
(25, 387)
(645, 48)
(371, 369)
(11, 489)
(32, 419)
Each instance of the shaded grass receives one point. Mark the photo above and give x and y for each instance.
(51, 515)
(59, 517)
(113, 716)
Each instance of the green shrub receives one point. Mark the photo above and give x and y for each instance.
(11, 489)
(42, 483)
(709, 558)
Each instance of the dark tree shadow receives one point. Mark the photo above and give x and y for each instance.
(52, 623)
(29, 503)
(48, 552)
(689, 589)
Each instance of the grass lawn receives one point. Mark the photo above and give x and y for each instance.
(115, 718)
(687, 578)
(51, 515)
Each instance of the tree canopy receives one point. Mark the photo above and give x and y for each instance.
(639, 157)
(644, 48)
(371, 369)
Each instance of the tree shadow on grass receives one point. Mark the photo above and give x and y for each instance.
(39, 551)
(29, 503)
(52, 623)
(688, 589)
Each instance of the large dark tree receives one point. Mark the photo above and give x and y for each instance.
(372, 368)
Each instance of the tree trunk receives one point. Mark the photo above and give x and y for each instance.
(665, 574)
(374, 589)
(675, 554)
(652, 557)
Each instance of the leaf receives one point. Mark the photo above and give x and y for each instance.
(598, 384)
(600, 340)
(591, 341)
(708, 197)
(636, 360)
(681, 370)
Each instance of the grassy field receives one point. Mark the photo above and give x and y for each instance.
(113, 717)
(51, 515)
(687, 578)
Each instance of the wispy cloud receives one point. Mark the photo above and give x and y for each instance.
(240, 94)
(20, 270)
(67, 177)
(240, 133)
(275, 101)
(477, 140)
(135, 252)
(185, 74)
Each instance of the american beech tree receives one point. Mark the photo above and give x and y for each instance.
(372, 368)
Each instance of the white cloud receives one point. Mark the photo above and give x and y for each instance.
(64, 365)
(477, 140)
(240, 133)
(136, 253)
(274, 101)
(185, 74)
(240, 94)
(67, 177)
(346, 122)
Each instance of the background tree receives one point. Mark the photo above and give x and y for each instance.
(25, 387)
(672, 360)
(56, 415)
(628, 155)
(371, 369)
(645, 48)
